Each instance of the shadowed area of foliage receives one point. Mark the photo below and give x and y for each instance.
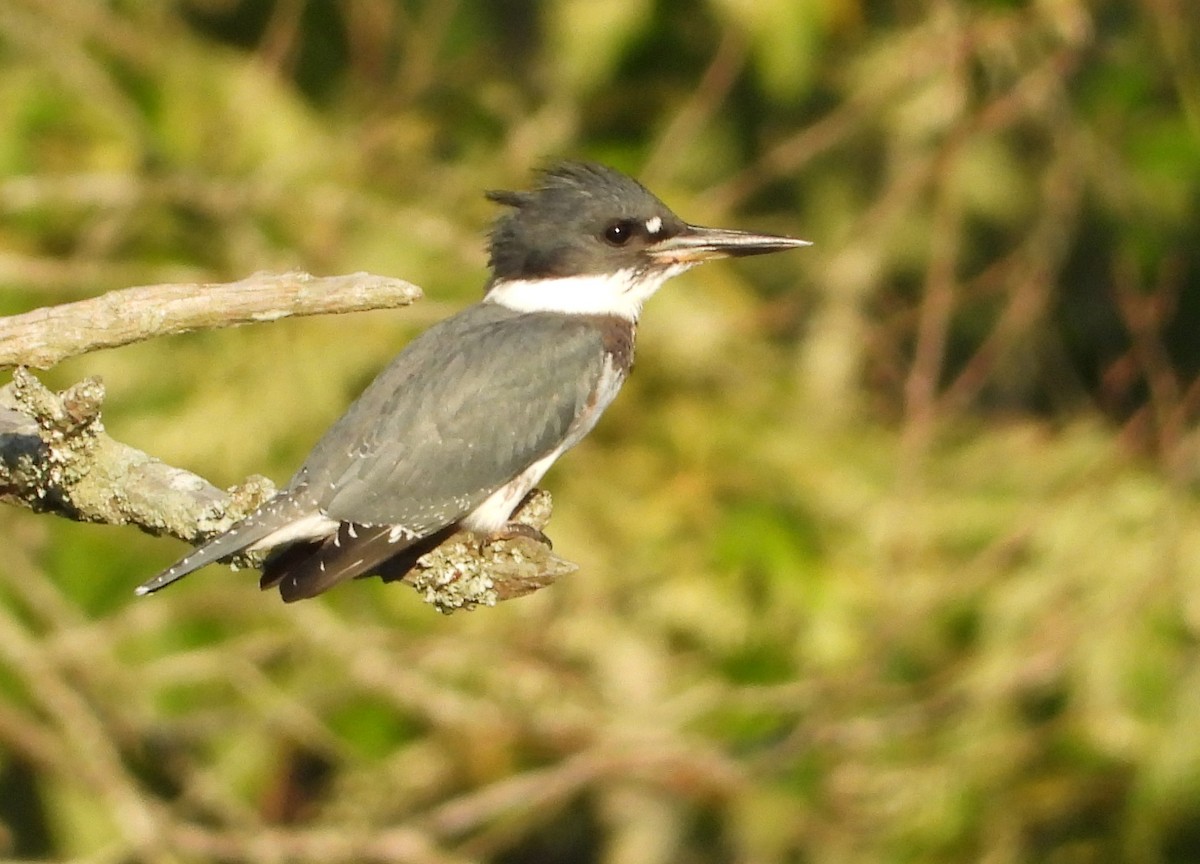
(890, 549)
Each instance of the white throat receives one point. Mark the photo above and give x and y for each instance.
(621, 293)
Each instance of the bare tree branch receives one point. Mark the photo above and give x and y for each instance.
(55, 456)
(49, 335)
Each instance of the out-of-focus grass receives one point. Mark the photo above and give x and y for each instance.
(1004, 655)
(890, 547)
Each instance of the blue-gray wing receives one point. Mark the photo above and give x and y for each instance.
(459, 413)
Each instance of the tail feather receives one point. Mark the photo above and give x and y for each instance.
(274, 515)
(356, 550)
(340, 558)
(307, 569)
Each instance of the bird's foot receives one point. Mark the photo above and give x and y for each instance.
(513, 530)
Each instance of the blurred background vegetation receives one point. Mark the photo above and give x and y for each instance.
(891, 547)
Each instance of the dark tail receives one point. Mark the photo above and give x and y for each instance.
(356, 550)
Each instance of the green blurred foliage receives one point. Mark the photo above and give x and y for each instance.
(891, 548)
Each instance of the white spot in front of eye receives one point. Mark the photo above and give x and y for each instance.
(653, 225)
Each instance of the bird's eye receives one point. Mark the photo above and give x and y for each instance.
(619, 233)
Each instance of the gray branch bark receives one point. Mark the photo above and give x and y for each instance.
(55, 456)
(49, 335)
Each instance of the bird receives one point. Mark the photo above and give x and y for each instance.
(469, 416)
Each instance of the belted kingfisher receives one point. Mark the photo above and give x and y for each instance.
(466, 420)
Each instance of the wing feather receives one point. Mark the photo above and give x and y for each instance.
(462, 410)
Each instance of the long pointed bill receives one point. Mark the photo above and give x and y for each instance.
(698, 244)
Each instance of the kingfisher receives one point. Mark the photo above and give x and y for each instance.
(462, 424)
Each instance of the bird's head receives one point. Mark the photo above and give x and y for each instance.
(591, 240)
